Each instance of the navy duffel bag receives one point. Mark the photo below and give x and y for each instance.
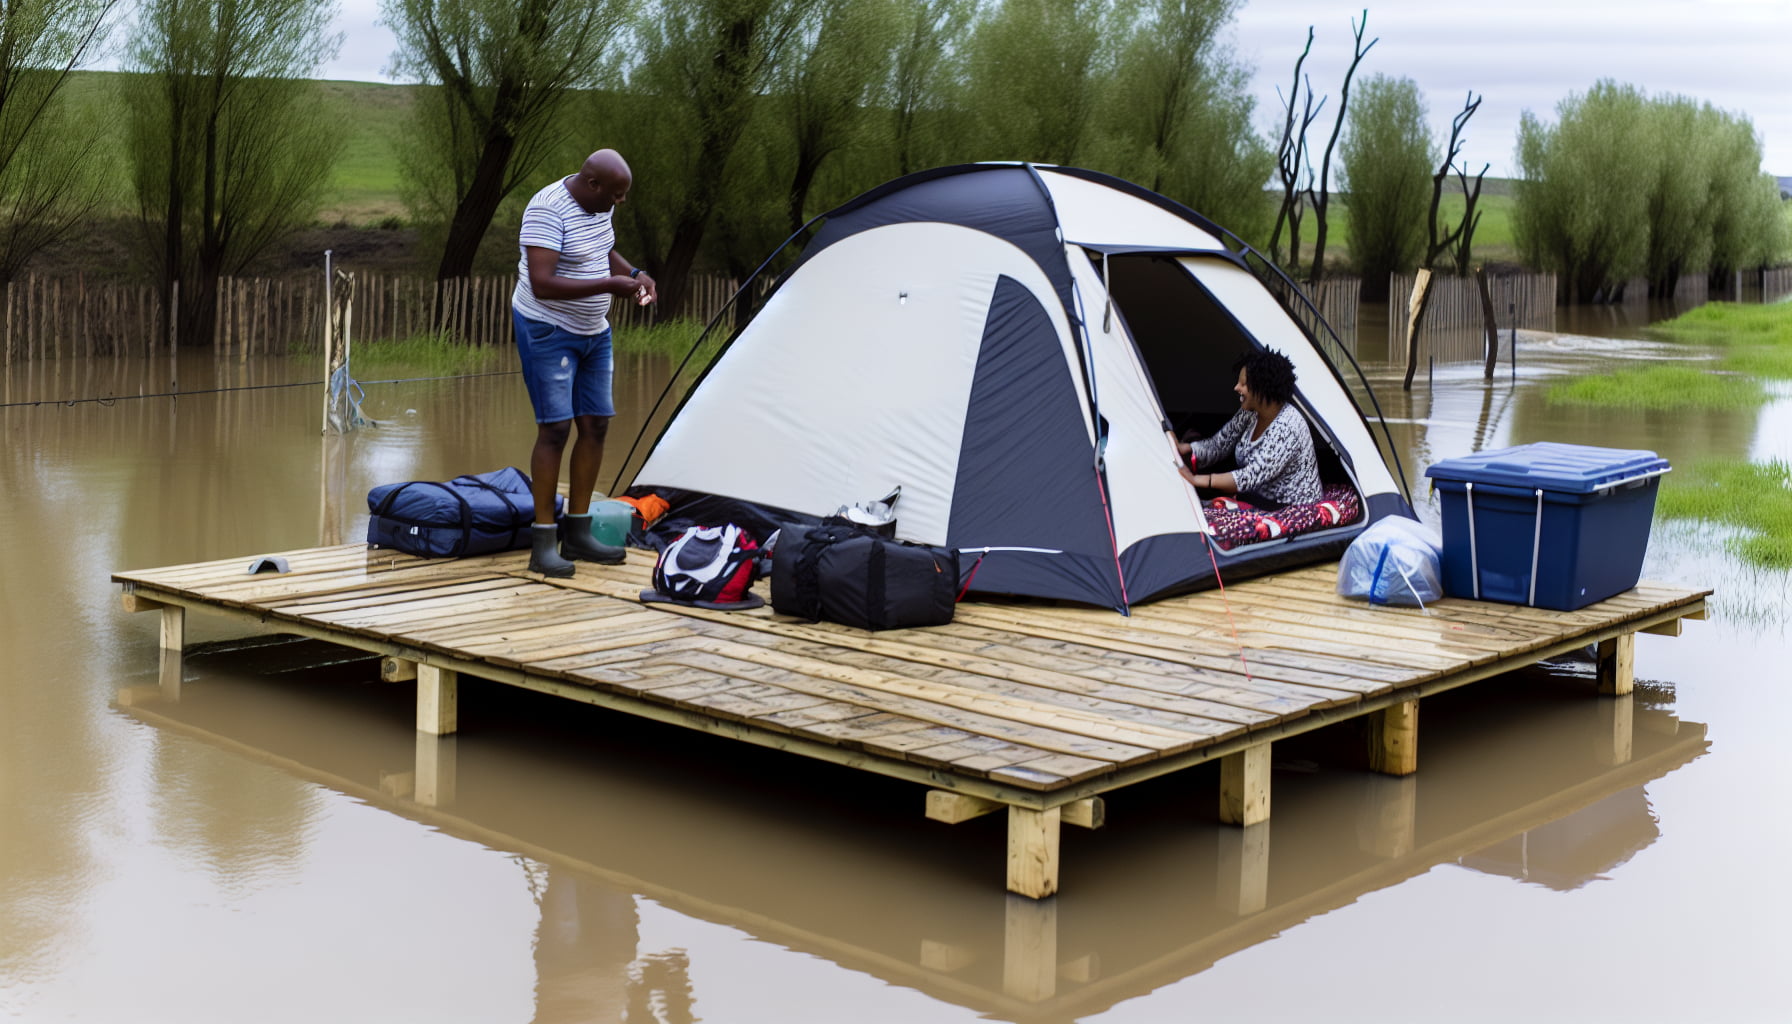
(468, 515)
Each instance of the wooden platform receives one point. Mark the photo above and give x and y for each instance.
(1024, 708)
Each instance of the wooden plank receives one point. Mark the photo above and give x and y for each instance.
(986, 692)
(374, 595)
(1244, 786)
(1668, 628)
(397, 670)
(1045, 684)
(1033, 851)
(134, 603)
(1617, 665)
(1016, 721)
(1394, 739)
(1089, 812)
(953, 808)
(438, 700)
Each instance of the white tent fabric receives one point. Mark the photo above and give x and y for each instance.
(857, 374)
(1096, 215)
(1146, 493)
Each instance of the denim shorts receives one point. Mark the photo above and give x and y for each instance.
(567, 374)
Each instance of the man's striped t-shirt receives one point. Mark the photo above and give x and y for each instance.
(554, 220)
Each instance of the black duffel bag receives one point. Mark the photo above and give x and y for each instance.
(468, 515)
(847, 574)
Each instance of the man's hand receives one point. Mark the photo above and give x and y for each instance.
(646, 291)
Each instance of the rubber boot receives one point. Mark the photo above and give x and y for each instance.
(544, 556)
(576, 542)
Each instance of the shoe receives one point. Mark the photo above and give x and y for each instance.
(576, 542)
(544, 556)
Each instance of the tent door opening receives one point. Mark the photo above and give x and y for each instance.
(1189, 344)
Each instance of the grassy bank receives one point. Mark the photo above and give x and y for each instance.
(1754, 498)
(1660, 389)
(1753, 342)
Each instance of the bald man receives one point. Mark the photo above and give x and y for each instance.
(569, 272)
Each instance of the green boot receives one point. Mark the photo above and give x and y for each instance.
(544, 557)
(576, 542)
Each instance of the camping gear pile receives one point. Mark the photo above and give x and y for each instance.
(473, 514)
(1013, 345)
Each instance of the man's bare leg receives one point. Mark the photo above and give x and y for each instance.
(587, 460)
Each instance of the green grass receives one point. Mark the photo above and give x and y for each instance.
(1731, 324)
(364, 185)
(671, 339)
(1755, 339)
(1664, 388)
(1492, 243)
(421, 355)
(1755, 343)
(1753, 497)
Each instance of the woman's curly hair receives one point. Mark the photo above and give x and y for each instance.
(1269, 374)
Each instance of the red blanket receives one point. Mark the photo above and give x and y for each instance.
(1237, 523)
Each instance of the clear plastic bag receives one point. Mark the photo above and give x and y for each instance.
(1395, 561)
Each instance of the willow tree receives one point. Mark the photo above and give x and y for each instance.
(1035, 70)
(1578, 210)
(230, 145)
(701, 70)
(828, 81)
(1177, 115)
(1386, 177)
(500, 73)
(924, 70)
(48, 178)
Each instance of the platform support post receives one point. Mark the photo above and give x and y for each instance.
(1244, 786)
(1394, 739)
(1243, 881)
(438, 700)
(1615, 739)
(435, 772)
(1617, 665)
(174, 628)
(1388, 824)
(170, 669)
(1030, 949)
(1033, 851)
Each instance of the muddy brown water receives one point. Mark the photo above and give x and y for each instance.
(257, 851)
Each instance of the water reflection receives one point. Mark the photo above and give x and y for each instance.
(1540, 782)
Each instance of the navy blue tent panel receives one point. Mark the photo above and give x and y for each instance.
(1026, 467)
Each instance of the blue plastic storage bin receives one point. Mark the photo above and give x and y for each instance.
(1551, 525)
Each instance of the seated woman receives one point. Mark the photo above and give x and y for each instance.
(1268, 439)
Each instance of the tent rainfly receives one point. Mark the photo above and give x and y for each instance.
(1009, 344)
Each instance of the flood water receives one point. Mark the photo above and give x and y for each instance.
(280, 845)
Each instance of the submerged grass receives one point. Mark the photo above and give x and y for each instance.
(1751, 496)
(1660, 389)
(1756, 345)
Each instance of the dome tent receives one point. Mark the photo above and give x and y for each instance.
(1009, 344)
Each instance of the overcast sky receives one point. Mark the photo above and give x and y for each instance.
(1521, 54)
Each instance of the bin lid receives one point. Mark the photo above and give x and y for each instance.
(1568, 468)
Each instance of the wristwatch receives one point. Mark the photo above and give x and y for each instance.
(635, 272)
